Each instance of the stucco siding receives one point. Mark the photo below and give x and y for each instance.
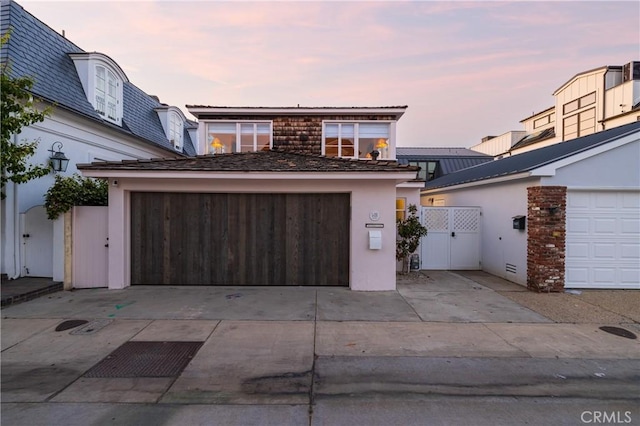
(370, 270)
(500, 243)
(617, 168)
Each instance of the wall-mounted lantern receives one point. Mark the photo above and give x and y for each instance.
(58, 160)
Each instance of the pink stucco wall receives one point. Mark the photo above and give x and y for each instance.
(370, 270)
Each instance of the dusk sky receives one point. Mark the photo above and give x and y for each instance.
(465, 69)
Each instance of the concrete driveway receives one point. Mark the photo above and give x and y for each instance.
(442, 346)
(441, 296)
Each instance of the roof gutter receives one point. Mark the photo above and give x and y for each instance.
(399, 177)
(197, 111)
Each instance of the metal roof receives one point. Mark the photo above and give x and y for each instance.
(533, 159)
(36, 50)
(402, 152)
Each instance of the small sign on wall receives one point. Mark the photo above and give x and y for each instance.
(374, 225)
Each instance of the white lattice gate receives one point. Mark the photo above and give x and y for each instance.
(453, 238)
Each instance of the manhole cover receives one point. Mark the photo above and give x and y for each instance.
(93, 326)
(69, 324)
(619, 332)
(146, 359)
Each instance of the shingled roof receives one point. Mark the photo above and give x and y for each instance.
(533, 159)
(36, 50)
(260, 161)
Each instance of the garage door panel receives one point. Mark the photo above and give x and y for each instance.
(577, 275)
(605, 225)
(630, 226)
(240, 239)
(630, 251)
(578, 225)
(630, 276)
(604, 200)
(630, 201)
(603, 241)
(604, 275)
(578, 251)
(604, 251)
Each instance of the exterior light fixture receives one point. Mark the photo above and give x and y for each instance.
(59, 161)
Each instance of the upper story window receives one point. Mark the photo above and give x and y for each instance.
(106, 93)
(578, 125)
(542, 121)
(225, 137)
(582, 102)
(176, 130)
(173, 122)
(356, 140)
(102, 80)
(427, 169)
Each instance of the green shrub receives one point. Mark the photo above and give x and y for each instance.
(75, 190)
(410, 231)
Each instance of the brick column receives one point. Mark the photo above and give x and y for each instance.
(546, 238)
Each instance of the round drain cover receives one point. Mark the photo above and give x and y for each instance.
(619, 332)
(67, 325)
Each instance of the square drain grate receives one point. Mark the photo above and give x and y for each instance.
(146, 359)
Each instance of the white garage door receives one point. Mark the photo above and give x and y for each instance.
(603, 239)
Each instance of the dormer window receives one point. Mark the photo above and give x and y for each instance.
(106, 94)
(172, 120)
(175, 130)
(102, 80)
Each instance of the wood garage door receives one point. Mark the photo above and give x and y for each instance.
(240, 239)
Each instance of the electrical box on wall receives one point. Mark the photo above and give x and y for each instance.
(519, 221)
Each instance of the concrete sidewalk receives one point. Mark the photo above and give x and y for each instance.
(430, 353)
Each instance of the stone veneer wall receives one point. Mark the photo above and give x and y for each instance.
(546, 234)
(300, 133)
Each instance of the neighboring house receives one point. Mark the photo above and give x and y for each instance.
(589, 102)
(98, 114)
(562, 216)
(496, 145)
(437, 162)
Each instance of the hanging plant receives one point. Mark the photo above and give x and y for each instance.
(69, 191)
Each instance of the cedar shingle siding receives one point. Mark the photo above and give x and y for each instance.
(288, 131)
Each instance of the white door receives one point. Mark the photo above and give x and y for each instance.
(90, 247)
(453, 238)
(603, 239)
(37, 243)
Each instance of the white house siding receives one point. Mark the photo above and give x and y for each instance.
(499, 144)
(84, 141)
(500, 243)
(603, 219)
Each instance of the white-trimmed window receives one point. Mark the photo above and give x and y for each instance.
(401, 209)
(225, 137)
(356, 140)
(579, 125)
(176, 130)
(106, 94)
